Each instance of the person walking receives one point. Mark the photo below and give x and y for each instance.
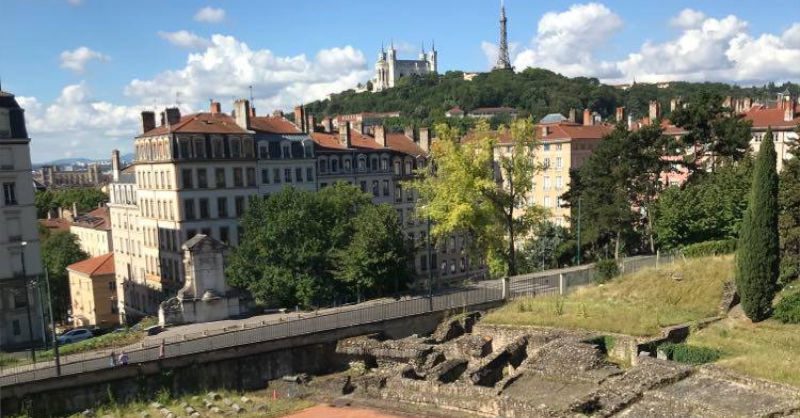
(113, 359)
(123, 358)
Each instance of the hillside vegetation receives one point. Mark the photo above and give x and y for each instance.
(636, 304)
(534, 91)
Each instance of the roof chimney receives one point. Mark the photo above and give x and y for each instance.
(674, 103)
(276, 113)
(344, 134)
(788, 111)
(148, 121)
(748, 103)
(173, 115)
(380, 135)
(727, 102)
(545, 130)
(252, 111)
(425, 139)
(409, 132)
(571, 117)
(358, 127)
(311, 123)
(655, 111)
(241, 109)
(620, 114)
(300, 118)
(327, 124)
(115, 165)
(163, 118)
(215, 107)
(587, 117)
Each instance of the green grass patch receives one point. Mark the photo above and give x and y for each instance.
(767, 349)
(7, 360)
(114, 339)
(690, 354)
(635, 304)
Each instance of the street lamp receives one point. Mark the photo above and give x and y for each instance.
(52, 322)
(22, 246)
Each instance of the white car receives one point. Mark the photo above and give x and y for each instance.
(75, 335)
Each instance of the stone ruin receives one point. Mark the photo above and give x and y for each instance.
(536, 372)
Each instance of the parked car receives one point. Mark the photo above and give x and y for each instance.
(75, 335)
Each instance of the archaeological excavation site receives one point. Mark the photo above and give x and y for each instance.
(468, 369)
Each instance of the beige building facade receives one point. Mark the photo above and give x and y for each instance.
(94, 232)
(93, 292)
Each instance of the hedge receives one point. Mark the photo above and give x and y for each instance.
(708, 248)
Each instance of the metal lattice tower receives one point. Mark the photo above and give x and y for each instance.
(503, 61)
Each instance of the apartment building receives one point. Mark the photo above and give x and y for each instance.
(782, 116)
(93, 230)
(20, 254)
(93, 292)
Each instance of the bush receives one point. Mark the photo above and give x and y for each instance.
(605, 270)
(788, 309)
(689, 354)
(709, 248)
(788, 272)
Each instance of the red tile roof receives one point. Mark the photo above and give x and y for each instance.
(455, 111)
(96, 266)
(558, 132)
(206, 123)
(357, 141)
(763, 117)
(493, 110)
(273, 124)
(56, 224)
(99, 218)
(401, 143)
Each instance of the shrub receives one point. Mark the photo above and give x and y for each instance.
(605, 270)
(788, 271)
(689, 354)
(709, 248)
(788, 309)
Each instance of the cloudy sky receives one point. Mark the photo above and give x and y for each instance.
(84, 69)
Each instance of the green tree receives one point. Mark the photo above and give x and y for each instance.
(296, 242)
(708, 207)
(376, 261)
(550, 247)
(757, 256)
(789, 216)
(85, 198)
(713, 130)
(59, 250)
(478, 189)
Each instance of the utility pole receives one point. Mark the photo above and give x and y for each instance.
(579, 231)
(52, 322)
(430, 260)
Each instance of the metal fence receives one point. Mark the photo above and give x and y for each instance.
(527, 285)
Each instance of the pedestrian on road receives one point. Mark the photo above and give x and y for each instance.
(161, 349)
(123, 358)
(113, 362)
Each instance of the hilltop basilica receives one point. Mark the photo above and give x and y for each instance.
(389, 69)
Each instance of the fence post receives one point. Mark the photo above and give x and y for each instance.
(505, 281)
(658, 256)
(562, 284)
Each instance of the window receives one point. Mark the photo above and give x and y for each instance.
(220, 178)
(347, 165)
(546, 147)
(397, 168)
(222, 207)
(6, 159)
(362, 163)
(373, 164)
(287, 175)
(410, 195)
(409, 168)
(334, 166)
(286, 151)
(384, 164)
(323, 166)
(20, 299)
(17, 328)
(309, 174)
(398, 194)
(199, 148)
(251, 177)
(10, 194)
(186, 177)
(203, 208)
(559, 183)
(298, 175)
(265, 176)
(185, 148)
(202, 178)
(217, 148)
(263, 153)
(238, 179)
(236, 148)
(364, 186)
(239, 203)
(558, 147)
(188, 209)
(375, 190)
(276, 175)
(386, 187)
(423, 262)
(546, 182)
(546, 163)
(224, 234)
(558, 163)
(547, 201)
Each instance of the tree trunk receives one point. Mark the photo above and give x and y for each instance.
(512, 256)
(616, 247)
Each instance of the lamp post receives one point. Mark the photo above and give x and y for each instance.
(579, 230)
(22, 246)
(430, 260)
(52, 322)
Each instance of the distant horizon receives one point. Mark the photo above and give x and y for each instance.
(83, 92)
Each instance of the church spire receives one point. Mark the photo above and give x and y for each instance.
(503, 61)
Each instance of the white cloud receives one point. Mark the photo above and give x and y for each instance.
(688, 18)
(77, 59)
(185, 39)
(210, 15)
(228, 67)
(706, 48)
(76, 124)
(565, 42)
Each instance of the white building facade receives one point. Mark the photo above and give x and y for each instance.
(389, 69)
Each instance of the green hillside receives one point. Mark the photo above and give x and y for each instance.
(536, 92)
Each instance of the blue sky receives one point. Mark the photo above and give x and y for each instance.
(84, 69)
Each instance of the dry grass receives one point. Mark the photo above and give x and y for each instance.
(768, 349)
(636, 304)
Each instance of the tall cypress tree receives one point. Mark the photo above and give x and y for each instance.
(757, 258)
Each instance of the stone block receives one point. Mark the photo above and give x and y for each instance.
(214, 396)
(238, 409)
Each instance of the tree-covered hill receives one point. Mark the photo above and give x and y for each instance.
(536, 92)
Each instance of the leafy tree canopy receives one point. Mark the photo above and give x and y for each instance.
(310, 249)
(86, 198)
(59, 250)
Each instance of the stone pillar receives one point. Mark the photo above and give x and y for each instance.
(562, 284)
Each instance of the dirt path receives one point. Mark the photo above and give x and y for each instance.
(344, 412)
